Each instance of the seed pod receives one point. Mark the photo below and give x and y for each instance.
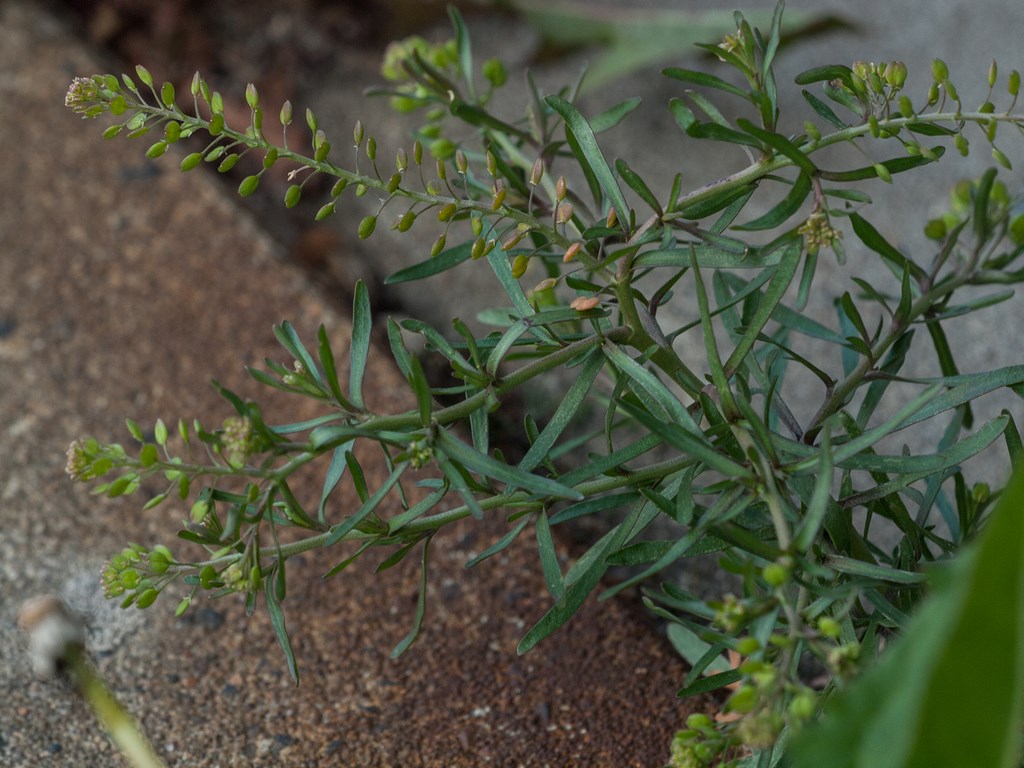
(992, 73)
(498, 199)
(147, 598)
(417, 152)
(477, 225)
(584, 303)
(438, 246)
(873, 126)
(961, 144)
(144, 75)
(446, 213)
(324, 212)
(270, 158)
(339, 187)
(371, 148)
(196, 80)
(613, 217)
(440, 168)
(292, 196)
(1013, 84)
(906, 107)
(812, 131)
(172, 132)
(401, 160)
(285, 116)
(311, 120)
(883, 173)
(951, 90)
(896, 74)
(492, 164)
(940, 72)
(564, 213)
(252, 98)
(933, 94)
(571, 252)
(545, 285)
(461, 163)
(394, 182)
(478, 248)
(366, 227)
(357, 133)
(1002, 159)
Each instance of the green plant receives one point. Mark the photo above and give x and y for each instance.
(791, 503)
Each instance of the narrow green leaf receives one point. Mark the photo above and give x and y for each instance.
(289, 339)
(789, 205)
(500, 544)
(638, 185)
(360, 349)
(326, 355)
(280, 630)
(874, 240)
(704, 80)
(549, 558)
(499, 470)
(780, 144)
(828, 72)
(789, 259)
(565, 412)
(894, 166)
(614, 115)
(444, 261)
(591, 155)
(333, 476)
(338, 531)
(421, 605)
(398, 351)
(420, 388)
(708, 684)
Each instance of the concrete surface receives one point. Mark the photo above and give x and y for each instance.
(126, 287)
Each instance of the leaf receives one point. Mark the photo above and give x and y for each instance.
(333, 475)
(789, 205)
(873, 239)
(289, 339)
(330, 371)
(638, 185)
(513, 477)
(500, 544)
(278, 623)
(549, 558)
(665, 404)
(894, 166)
(780, 282)
(566, 410)
(421, 606)
(360, 348)
(950, 691)
(780, 144)
(337, 532)
(613, 115)
(444, 261)
(590, 155)
(704, 80)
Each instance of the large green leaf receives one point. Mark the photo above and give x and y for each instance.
(949, 693)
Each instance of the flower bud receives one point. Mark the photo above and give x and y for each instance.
(494, 72)
(545, 285)
(933, 94)
(812, 131)
(537, 172)
(442, 149)
(196, 84)
(248, 185)
(441, 168)
(829, 627)
(612, 218)
(519, 265)
(883, 173)
(366, 227)
(743, 700)
(438, 246)
(446, 213)
(144, 75)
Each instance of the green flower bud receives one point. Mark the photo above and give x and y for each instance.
(156, 150)
(935, 229)
(812, 131)
(940, 72)
(361, 189)
(194, 87)
(1001, 158)
(228, 163)
(477, 225)
(248, 185)
(190, 161)
(438, 246)
(747, 645)
(292, 196)
(494, 72)
(873, 126)
(199, 511)
(406, 221)
(442, 149)
(802, 707)
(933, 94)
(324, 212)
(519, 265)
(322, 151)
(560, 188)
(698, 721)
(492, 163)
(366, 227)
(537, 172)
(357, 133)
(829, 627)
(144, 75)
(896, 74)
(743, 700)
(906, 107)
